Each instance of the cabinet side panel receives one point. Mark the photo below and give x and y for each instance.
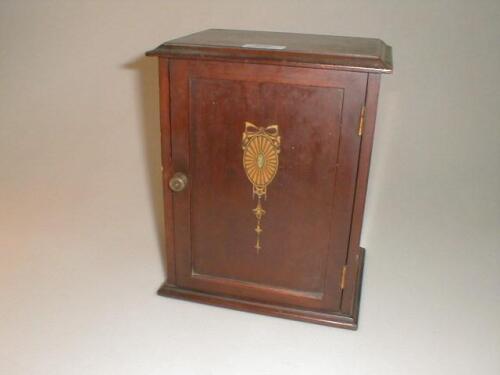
(353, 257)
(166, 160)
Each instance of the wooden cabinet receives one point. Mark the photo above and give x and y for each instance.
(266, 142)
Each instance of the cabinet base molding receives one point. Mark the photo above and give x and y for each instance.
(332, 319)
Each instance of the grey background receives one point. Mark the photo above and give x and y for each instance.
(80, 211)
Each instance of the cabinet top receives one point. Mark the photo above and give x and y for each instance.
(339, 52)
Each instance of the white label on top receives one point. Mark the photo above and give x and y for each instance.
(262, 46)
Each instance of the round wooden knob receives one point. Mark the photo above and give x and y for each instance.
(178, 182)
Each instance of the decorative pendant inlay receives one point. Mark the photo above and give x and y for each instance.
(261, 147)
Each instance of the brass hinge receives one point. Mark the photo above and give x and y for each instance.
(342, 280)
(361, 121)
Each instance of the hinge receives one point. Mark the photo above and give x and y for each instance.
(361, 121)
(342, 279)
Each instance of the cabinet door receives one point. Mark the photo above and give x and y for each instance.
(271, 156)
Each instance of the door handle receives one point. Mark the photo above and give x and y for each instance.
(178, 182)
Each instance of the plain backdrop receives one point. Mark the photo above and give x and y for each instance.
(80, 196)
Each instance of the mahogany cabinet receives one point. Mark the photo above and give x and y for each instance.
(266, 140)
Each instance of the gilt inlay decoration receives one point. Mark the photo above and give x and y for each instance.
(261, 148)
